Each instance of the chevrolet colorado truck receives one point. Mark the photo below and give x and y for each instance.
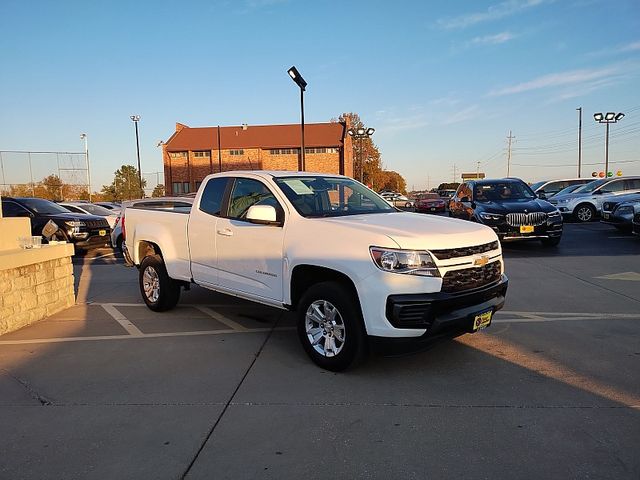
(354, 268)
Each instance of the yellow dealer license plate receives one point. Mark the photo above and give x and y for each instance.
(526, 229)
(482, 320)
(102, 233)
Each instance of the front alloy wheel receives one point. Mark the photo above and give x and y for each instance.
(585, 213)
(330, 325)
(325, 328)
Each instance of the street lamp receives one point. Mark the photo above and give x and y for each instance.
(297, 78)
(607, 118)
(360, 134)
(136, 119)
(83, 136)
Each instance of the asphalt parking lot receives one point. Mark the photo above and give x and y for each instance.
(221, 388)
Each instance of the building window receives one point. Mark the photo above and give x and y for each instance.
(285, 151)
(198, 185)
(176, 187)
(236, 152)
(203, 154)
(185, 187)
(177, 154)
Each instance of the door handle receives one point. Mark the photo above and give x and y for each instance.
(226, 232)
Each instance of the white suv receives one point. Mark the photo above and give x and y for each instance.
(586, 204)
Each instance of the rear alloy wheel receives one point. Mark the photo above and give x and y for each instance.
(330, 326)
(159, 291)
(585, 213)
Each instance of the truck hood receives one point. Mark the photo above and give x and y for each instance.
(417, 231)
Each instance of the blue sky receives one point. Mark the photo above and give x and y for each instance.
(441, 82)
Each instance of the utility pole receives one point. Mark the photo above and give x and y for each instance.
(455, 172)
(579, 140)
(478, 171)
(509, 138)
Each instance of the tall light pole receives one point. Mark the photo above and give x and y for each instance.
(83, 136)
(136, 119)
(607, 118)
(579, 141)
(360, 134)
(297, 78)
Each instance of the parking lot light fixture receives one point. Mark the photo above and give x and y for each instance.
(360, 134)
(297, 78)
(610, 117)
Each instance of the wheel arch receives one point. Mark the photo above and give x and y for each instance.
(146, 248)
(304, 276)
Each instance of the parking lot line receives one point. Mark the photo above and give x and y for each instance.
(221, 318)
(121, 319)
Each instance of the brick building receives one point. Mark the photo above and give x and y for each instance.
(191, 154)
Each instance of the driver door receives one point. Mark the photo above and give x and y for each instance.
(250, 256)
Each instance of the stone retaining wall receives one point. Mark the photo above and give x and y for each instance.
(29, 293)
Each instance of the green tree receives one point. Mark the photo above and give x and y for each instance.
(158, 191)
(125, 185)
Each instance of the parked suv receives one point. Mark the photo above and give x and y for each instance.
(510, 208)
(82, 230)
(549, 188)
(586, 204)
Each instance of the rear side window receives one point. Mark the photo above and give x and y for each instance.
(633, 184)
(211, 201)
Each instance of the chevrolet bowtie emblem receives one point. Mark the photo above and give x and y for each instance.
(481, 262)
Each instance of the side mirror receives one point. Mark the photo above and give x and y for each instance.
(542, 195)
(262, 214)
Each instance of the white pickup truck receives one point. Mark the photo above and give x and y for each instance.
(353, 267)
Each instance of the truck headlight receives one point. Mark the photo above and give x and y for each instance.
(412, 262)
(491, 216)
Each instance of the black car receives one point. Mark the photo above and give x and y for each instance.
(82, 230)
(510, 208)
(619, 211)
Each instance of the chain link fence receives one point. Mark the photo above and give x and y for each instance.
(52, 175)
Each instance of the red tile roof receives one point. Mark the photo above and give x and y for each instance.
(256, 136)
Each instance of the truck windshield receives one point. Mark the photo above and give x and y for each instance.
(319, 196)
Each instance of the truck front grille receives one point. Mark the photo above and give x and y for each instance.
(471, 278)
(96, 223)
(519, 219)
(464, 251)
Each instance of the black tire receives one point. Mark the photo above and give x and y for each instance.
(551, 242)
(328, 298)
(584, 213)
(164, 294)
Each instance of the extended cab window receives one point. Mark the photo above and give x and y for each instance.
(248, 192)
(211, 201)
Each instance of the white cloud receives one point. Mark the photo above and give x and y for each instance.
(573, 77)
(632, 47)
(494, 12)
(492, 39)
(468, 113)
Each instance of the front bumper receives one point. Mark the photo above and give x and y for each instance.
(508, 233)
(441, 316)
(91, 238)
(614, 219)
